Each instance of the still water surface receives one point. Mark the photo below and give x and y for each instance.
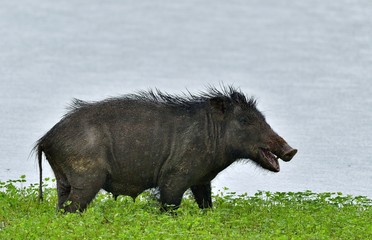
(309, 63)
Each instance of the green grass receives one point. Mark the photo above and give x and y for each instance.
(266, 215)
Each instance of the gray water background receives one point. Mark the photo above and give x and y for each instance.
(309, 63)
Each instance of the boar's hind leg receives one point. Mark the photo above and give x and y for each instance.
(83, 189)
(202, 194)
(170, 200)
(171, 193)
(64, 189)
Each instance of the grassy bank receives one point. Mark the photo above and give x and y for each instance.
(266, 215)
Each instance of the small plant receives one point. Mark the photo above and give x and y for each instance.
(265, 215)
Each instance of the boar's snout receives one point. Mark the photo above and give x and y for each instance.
(287, 153)
(277, 148)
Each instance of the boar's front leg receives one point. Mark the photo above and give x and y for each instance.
(202, 194)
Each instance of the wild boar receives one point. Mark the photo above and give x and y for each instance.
(150, 139)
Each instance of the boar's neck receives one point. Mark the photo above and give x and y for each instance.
(216, 141)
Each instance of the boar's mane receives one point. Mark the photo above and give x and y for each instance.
(187, 101)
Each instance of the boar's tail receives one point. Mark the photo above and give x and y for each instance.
(39, 157)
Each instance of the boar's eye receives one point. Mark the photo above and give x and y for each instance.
(244, 121)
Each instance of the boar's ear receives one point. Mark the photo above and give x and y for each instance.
(238, 97)
(219, 104)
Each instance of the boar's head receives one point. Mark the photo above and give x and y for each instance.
(247, 134)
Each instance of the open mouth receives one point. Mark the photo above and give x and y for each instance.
(269, 160)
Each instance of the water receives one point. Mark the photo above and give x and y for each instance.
(309, 63)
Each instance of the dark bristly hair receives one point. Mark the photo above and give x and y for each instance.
(184, 100)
